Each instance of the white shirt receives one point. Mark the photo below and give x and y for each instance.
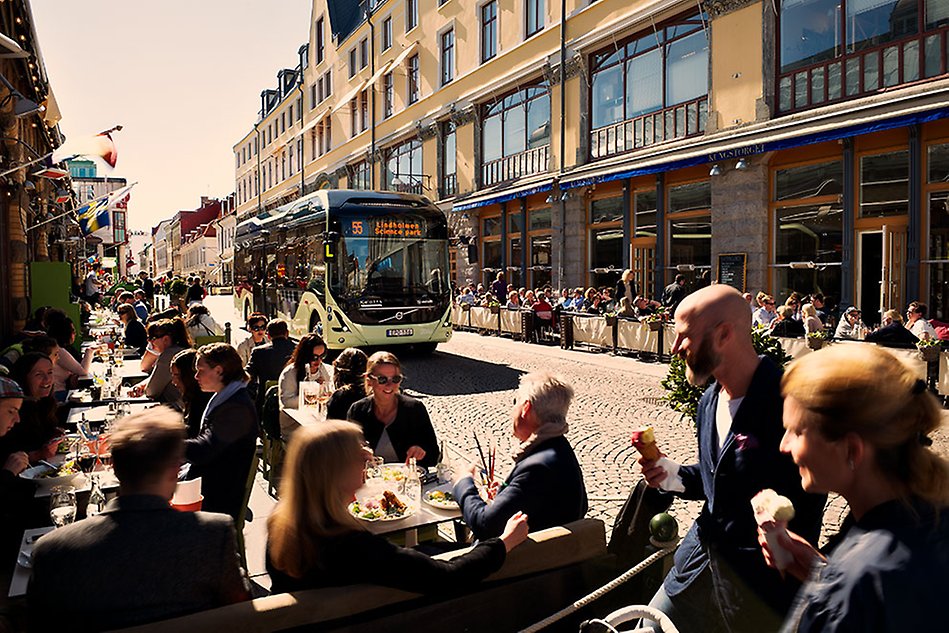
(385, 449)
(922, 326)
(725, 414)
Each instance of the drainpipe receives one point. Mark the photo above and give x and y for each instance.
(302, 142)
(372, 100)
(562, 243)
(260, 176)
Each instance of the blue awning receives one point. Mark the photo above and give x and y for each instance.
(724, 146)
(498, 196)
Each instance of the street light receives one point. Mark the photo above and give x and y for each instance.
(23, 106)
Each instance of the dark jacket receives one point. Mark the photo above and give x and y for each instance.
(411, 427)
(221, 454)
(141, 562)
(672, 296)
(621, 290)
(885, 572)
(194, 411)
(788, 327)
(546, 485)
(337, 407)
(135, 336)
(266, 362)
(893, 335)
(750, 461)
(360, 557)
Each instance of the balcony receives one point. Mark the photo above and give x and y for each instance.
(679, 121)
(449, 186)
(864, 72)
(527, 163)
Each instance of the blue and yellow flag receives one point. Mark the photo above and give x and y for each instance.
(94, 214)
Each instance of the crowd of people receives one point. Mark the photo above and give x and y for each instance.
(850, 420)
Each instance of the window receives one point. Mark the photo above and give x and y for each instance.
(387, 33)
(328, 84)
(364, 111)
(489, 30)
(353, 107)
(690, 197)
(516, 123)
(388, 91)
(606, 210)
(411, 14)
(403, 168)
(937, 169)
(283, 121)
(832, 49)
(809, 181)
(413, 92)
(318, 86)
(644, 216)
(633, 81)
(534, 14)
(320, 41)
(361, 176)
(291, 114)
(300, 109)
(363, 53)
(884, 184)
(352, 63)
(448, 56)
(328, 129)
(449, 161)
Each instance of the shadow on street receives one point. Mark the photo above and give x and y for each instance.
(442, 374)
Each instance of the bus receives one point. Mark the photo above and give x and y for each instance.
(361, 268)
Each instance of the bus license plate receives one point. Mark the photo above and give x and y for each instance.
(400, 332)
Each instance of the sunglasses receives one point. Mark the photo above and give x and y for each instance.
(318, 356)
(385, 380)
(258, 328)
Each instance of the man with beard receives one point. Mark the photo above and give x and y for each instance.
(719, 582)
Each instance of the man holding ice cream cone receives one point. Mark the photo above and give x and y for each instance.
(720, 581)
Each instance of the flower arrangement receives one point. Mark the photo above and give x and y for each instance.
(816, 340)
(929, 349)
(657, 318)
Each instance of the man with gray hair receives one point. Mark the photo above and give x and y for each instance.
(546, 483)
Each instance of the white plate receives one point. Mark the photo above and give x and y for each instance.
(33, 474)
(441, 505)
(408, 512)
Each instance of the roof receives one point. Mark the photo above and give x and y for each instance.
(345, 16)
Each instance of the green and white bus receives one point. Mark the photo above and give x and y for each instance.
(362, 268)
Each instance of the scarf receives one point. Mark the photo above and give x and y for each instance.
(546, 432)
(220, 398)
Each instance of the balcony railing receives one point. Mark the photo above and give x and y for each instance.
(679, 121)
(449, 186)
(532, 161)
(864, 72)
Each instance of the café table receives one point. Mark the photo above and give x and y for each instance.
(98, 413)
(308, 416)
(130, 372)
(409, 526)
(83, 397)
(21, 574)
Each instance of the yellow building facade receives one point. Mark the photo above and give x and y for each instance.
(773, 145)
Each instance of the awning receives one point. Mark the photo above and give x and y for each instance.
(375, 77)
(498, 195)
(401, 56)
(312, 124)
(795, 131)
(349, 96)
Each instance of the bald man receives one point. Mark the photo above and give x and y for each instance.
(719, 581)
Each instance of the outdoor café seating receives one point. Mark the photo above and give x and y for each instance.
(559, 563)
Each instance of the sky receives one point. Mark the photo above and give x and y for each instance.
(182, 78)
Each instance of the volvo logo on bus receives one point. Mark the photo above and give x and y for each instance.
(398, 316)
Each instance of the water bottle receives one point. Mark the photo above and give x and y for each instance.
(106, 391)
(96, 498)
(413, 487)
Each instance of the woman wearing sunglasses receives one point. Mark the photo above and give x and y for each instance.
(257, 326)
(305, 364)
(397, 427)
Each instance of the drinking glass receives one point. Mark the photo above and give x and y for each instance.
(62, 505)
(374, 467)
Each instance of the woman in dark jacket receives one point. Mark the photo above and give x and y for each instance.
(37, 433)
(397, 427)
(349, 376)
(194, 399)
(222, 452)
(135, 336)
(313, 540)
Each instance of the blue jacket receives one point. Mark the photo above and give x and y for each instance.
(546, 485)
(750, 461)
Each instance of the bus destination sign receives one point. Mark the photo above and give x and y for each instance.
(386, 227)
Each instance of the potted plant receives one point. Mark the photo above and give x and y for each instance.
(466, 307)
(494, 307)
(816, 340)
(610, 318)
(656, 319)
(929, 349)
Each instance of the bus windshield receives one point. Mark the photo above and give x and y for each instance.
(392, 257)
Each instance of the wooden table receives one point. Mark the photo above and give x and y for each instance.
(21, 574)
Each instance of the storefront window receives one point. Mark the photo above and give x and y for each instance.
(809, 181)
(491, 226)
(514, 265)
(606, 256)
(691, 197)
(540, 261)
(645, 216)
(515, 222)
(937, 158)
(884, 184)
(539, 219)
(809, 234)
(939, 255)
(606, 210)
(873, 22)
(690, 243)
(492, 261)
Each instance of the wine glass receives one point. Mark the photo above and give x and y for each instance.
(62, 505)
(323, 395)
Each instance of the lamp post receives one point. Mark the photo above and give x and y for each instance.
(265, 235)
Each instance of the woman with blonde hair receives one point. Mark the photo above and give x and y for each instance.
(397, 427)
(313, 540)
(811, 321)
(858, 422)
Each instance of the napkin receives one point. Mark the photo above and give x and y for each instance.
(187, 492)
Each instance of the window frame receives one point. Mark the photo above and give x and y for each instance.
(386, 34)
(483, 24)
(413, 77)
(320, 40)
(540, 17)
(411, 15)
(446, 56)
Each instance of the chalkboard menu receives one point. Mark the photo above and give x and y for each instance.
(731, 269)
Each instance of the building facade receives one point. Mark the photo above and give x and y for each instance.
(222, 273)
(88, 185)
(778, 146)
(199, 251)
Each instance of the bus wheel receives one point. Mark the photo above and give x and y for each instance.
(426, 348)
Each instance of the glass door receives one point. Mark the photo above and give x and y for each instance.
(870, 276)
(894, 268)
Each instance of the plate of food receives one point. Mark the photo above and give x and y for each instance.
(386, 507)
(396, 472)
(47, 477)
(441, 499)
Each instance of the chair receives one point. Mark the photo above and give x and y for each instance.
(207, 340)
(239, 524)
(270, 434)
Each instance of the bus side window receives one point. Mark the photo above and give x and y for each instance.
(316, 282)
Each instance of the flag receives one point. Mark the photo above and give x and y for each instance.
(100, 145)
(94, 214)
